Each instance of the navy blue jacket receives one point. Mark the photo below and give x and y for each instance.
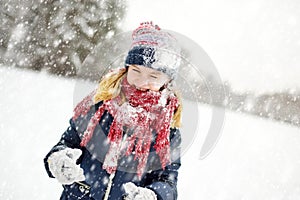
(162, 182)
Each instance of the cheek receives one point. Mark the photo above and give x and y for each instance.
(131, 78)
(156, 86)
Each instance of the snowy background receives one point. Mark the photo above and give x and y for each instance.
(255, 47)
(250, 41)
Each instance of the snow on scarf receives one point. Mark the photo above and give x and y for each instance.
(144, 111)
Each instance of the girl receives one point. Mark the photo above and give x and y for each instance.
(123, 141)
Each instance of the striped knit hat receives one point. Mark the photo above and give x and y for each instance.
(154, 48)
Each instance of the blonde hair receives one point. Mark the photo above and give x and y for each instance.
(109, 87)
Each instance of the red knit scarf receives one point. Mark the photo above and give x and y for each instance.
(143, 111)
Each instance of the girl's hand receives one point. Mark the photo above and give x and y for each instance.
(63, 167)
(138, 193)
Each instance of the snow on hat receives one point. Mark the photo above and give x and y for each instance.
(154, 48)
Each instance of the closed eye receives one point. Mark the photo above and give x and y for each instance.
(152, 76)
(136, 70)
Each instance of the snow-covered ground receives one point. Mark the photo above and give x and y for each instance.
(254, 159)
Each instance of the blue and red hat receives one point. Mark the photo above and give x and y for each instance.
(154, 48)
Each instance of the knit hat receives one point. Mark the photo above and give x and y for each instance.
(154, 48)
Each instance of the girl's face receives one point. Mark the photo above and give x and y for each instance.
(145, 78)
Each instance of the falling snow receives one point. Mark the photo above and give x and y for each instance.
(254, 46)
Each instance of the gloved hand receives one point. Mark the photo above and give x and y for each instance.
(138, 193)
(63, 167)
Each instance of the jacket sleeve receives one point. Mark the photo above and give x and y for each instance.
(164, 182)
(72, 136)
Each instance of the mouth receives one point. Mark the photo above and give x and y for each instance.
(141, 89)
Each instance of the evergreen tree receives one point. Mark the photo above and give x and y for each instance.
(7, 16)
(59, 34)
(75, 27)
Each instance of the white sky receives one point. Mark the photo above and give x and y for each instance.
(255, 45)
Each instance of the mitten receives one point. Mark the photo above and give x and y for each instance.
(138, 193)
(63, 167)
